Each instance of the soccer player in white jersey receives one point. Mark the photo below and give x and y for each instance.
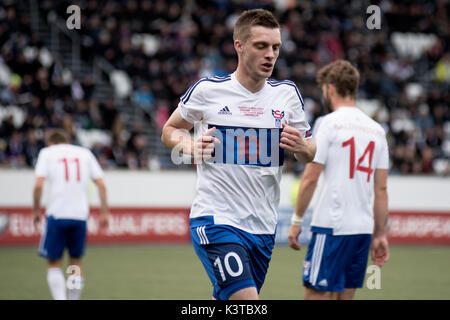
(247, 121)
(68, 170)
(351, 213)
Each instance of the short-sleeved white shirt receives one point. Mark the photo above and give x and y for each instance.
(68, 169)
(351, 146)
(240, 186)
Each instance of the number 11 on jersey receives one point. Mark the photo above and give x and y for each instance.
(66, 167)
(369, 149)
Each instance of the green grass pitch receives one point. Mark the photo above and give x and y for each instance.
(173, 272)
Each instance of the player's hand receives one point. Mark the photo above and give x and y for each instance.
(379, 250)
(292, 140)
(104, 220)
(204, 145)
(36, 219)
(294, 232)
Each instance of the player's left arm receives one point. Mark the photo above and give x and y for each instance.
(104, 210)
(96, 174)
(296, 134)
(380, 245)
(37, 193)
(292, 140)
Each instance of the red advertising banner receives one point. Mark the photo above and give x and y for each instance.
(171, 225)
(126, 225)
(419, 227)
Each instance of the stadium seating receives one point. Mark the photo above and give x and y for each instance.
(131, 61)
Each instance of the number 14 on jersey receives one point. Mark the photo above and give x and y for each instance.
(369, 150)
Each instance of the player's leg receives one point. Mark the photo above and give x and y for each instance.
(76, 241)
(77, 265)
(347, 294)
(228, 264)
(256, 255)
(245, 294)
(260, 248)
(75, 280)
(324, 266)
(226, 261)
(356, 270)
(55, 279)
(313, 294)
(51, 247)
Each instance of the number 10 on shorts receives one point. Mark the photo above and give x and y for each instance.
(230, 271)
(230, 262)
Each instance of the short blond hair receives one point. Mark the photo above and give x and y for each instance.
(251, 18)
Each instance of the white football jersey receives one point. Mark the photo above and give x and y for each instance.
(351, 146)
(240, 185)
(68, 169)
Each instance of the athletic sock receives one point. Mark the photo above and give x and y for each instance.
(57, 283)
(75, 287)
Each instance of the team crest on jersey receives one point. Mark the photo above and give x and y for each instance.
(308, 134)
(278, 115)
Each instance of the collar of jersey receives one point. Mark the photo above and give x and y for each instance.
(347, 108)
(244, 89)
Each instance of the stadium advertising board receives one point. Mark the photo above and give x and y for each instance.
(405, 227)
(171, 225)
(126, 225)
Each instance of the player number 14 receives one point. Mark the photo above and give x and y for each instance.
(369, 150)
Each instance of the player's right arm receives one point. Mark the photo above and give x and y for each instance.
(380, 246)
(175, 133)
(309, 180)
(41, 171)
(305, 193)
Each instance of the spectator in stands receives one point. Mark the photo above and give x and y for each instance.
(31, 148)
(166, 45)
(14, 150)
(109, 114)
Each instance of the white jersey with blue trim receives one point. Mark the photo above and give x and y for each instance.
(240, 185)
(351, 146)
(68, 169)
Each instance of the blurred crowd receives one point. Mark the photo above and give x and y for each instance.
(164, 46)
(46, 96)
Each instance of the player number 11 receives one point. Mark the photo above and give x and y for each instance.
(66, 167)
(369, 149)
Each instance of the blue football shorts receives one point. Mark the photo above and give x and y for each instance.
(334, 263)
(61, 233)
(233, 259)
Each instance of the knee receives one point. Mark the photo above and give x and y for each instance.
(313, 294)
(54, 263)
(245, 294)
